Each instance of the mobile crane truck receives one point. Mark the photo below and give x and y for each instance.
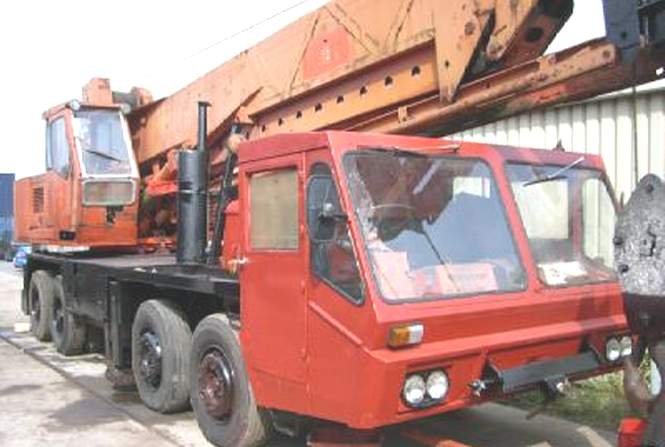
(332, 260)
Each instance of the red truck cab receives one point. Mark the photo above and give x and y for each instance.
(388, 278)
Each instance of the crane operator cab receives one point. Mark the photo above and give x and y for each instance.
(88, 197)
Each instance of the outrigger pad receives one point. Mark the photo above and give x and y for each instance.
(639, 242)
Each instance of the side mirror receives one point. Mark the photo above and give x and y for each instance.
(322, 229)
(329, 212)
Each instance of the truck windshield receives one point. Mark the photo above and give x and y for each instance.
(433, 227)
(101, 138)
(569, 220)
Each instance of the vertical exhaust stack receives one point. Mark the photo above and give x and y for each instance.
(192, 196)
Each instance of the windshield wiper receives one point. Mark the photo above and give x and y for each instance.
(103, 155)
(558, 175)
(395, 151)
(85, 148)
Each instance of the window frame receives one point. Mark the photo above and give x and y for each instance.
(134, 170)
(358, 301)
(496, 294)
(250, 243)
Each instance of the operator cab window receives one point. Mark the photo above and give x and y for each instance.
(274, 210)
(57, 149)
(100, 135)
(332, 256)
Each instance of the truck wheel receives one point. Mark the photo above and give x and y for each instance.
(40, 296)
(67, 330)
(161, 344)
(221, 395)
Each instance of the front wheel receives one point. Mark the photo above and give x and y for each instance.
(221, 395)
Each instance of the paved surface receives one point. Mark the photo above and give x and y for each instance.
(47, 399)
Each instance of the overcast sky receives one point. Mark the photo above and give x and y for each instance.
(49, 49)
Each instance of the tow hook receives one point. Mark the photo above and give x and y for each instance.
(479, 387)
(553, 389)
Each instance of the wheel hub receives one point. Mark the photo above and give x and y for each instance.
(216, 384)
(150, 366)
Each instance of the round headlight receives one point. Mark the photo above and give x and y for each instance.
(437, 385)
(626, 347)
(414, 390)
(613, 350)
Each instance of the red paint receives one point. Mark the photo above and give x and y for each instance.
(326, 52)
(631, 432)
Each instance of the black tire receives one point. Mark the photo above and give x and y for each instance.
(161, 344)
(68, 331)
(40, 298)
(243, 424)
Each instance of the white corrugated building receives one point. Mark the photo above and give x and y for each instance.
(602, 125)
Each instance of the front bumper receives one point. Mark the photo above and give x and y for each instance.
(548, 373)
(502, 370)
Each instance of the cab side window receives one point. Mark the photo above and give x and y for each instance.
(332, 256)
(274, 210)
(57, 149)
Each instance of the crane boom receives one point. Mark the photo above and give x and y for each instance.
(408, 66)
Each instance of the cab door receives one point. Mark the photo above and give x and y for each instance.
(272, 276)
(50, 194)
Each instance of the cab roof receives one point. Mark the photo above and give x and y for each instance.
(340, 142)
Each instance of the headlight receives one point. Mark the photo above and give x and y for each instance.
(414, 390)
(613, 350)
(437, 385)
(626, 346)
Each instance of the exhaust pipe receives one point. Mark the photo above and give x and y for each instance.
(193, 196)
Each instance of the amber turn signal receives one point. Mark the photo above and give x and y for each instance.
(406, 335)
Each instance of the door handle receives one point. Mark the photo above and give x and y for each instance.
(236, 264)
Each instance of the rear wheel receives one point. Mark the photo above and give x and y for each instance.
(221, 395)
(161, 343)
(68, 331)
(40, 296)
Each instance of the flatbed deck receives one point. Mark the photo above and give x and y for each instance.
(158, 270)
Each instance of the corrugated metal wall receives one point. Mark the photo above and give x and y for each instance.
(602, 126)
